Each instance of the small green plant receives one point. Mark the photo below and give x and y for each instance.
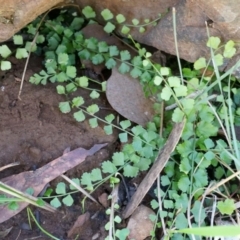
(5, 52)
(18, 196)
(21, 52)
(113, 21)
(209, 104)
(198, 152)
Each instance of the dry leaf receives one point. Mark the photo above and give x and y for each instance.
(79, 223)
(126, 96)
(124, 93)
(39, 178)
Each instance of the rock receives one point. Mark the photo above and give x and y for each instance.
(16, 14)
(130, 9)
(139, 223)
(103, 199)
(95, 30)
(191, 37)
(190, 21)
(223, 18)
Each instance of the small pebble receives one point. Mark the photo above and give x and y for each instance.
(96, 236)
(25, 226)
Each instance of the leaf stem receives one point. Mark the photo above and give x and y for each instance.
(143, 25)
(39, 226)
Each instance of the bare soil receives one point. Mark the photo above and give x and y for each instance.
(34, 132)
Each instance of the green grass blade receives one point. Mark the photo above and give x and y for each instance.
(223, 231)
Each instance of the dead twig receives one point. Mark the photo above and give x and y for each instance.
(26, 64)
(155, 170)
(79, 188)
(61, 5)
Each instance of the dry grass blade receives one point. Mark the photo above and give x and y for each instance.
(9, 165)
(114, 200)
(25, 67)
(155, 170)
(24, 196)
(5, 232)
(79, 188)
(219, 184)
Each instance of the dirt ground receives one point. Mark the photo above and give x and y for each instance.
(33, 133)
